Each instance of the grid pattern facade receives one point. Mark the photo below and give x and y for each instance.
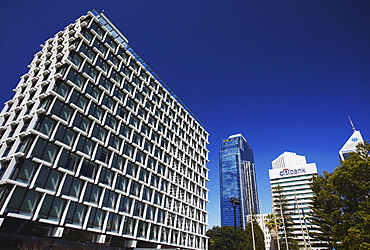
(237, 180)
(94, 140)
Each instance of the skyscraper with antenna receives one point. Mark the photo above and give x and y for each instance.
(351, 144)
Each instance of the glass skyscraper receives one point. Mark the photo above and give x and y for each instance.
(96, 149)
(237, 180)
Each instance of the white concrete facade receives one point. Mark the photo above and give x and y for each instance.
(94, 141)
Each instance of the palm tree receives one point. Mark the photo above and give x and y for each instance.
(270, 223)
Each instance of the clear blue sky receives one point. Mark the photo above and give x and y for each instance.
(285, 74)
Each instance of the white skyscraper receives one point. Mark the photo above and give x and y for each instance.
(292, 173)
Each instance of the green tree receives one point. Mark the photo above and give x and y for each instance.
(341, 202)
(223, 238)
(257, 233)
(284, 220)
(270, 223)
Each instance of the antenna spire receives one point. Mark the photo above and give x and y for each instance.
(353, 126)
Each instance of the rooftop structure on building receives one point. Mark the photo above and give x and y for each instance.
(96, 149)
(351, 144)
(237, 180)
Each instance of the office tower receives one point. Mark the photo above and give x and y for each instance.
(293, 174)
(96, 149)
(237, 180)
(350, 145)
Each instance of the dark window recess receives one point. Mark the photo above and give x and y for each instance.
(100, 133)
(105, 83)
(88, 169)
(82, 122)
(101, 47)
(103, 154)
(102, 64)
(93, 91)
(87, 51)
(69, 161)
(76, 78)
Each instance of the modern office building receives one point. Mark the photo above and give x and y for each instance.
(96, 149)
(237, 180)
(350, 145)
(293, 174)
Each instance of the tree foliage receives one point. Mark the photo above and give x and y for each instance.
(283, 220)
(223, 238)
(271, 225)
(341, 206)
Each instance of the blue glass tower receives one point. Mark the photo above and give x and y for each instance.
(237, 180)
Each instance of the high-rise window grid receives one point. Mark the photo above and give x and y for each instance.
(91, 103)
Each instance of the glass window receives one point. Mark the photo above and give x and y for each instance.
(135, 189)
(48, 179)
(96, 111)
(147, 194)
(69, 160)
(65, 135)
(129, 226)
(100, 133)
(121, 183)
(115, 142)
(72, 186)
(82, 122)
(90, 70)
(92, 193)
(96, 218)
(144, 175)
(76, 214)
(94, 26)
(80, 100)
(102, 64)
(142, 229)
(76, 59)
(111, 122)
(76, 78)
(125, 131)
(45, 151)
(131, 169)
(138, 209)
(111, 42)
(88, 169)
(93, 91)
(87, 34)
(46, 125)
(52, 208)
(63, 89)
(108, 102)
(119, 94)
(25, 171)
(118, 162)
(101, 47)
(23, 201)
(85, 145)
(128, 150)
(87, 51)
(110, 199)
(150, 212)
(105, 83)
(114, 222)
(116, 76)
(106, 177)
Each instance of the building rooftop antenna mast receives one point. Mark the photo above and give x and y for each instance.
(353, 126)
